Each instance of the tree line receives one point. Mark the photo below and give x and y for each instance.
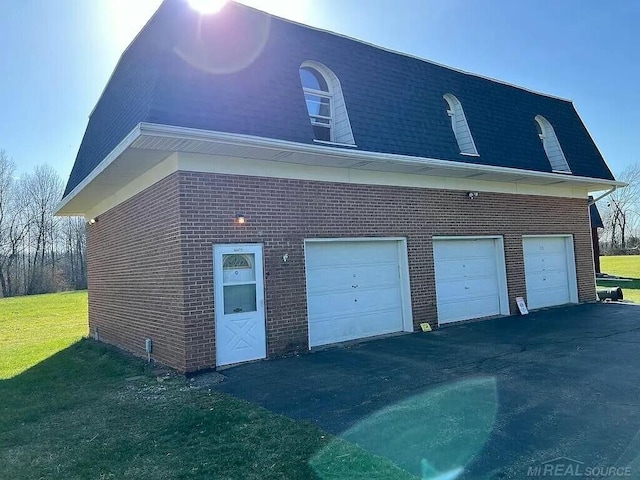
(620, 212)
(39, 253)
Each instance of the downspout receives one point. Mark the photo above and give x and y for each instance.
(608, 192)
(596, 262)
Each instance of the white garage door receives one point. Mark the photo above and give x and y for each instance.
(549, 271)
(354, 289)
(470, 278)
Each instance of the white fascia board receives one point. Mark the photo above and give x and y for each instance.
(183, 133)
(108, 160)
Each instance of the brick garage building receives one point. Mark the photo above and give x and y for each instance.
(384, 191)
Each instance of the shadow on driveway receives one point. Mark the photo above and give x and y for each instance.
(566, 383)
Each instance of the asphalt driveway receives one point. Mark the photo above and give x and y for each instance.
(492, 399)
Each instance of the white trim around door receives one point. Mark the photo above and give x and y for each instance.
(356, 288)
(550, 270)
(470, 277)
(238, 278)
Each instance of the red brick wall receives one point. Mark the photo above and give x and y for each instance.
(135, 274)
(280, 214)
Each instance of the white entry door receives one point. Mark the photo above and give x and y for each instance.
(549, 269)
(239, 303)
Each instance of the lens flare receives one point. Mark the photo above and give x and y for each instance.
(433, 435)
(207, 7)
(225, 43)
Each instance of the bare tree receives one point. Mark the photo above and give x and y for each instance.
(74, 238)
(622, 211)
(43, 189)
(14, 223)
(38, 252)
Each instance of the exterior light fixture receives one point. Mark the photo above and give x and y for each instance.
(93, 221)
(472, 195)
(240, 218)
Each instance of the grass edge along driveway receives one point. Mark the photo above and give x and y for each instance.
(90, 411)
(627, 266)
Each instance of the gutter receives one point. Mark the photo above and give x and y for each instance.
(185, 133)
(108, 160)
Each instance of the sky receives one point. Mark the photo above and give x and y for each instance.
(57, 55)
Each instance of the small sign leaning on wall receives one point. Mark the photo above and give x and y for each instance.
(522, 306)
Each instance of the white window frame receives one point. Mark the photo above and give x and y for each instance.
(340, 133)
(322, 94)
(312, 117)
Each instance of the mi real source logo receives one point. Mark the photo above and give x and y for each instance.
(569, 467)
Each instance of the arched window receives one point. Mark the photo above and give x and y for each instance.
(236, 261)
(325, 104)
(551, 145)
(460, 126)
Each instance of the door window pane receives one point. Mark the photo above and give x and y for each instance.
(238, 268)
(239, 298)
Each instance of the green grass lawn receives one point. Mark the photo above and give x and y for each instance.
(34, 328)
(623, 266)
(71, 408)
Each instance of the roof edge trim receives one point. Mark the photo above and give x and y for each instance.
(152, 129)
(185, 133)
(106, 161)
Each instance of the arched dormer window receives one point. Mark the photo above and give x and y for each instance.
(551, 145)
(460, 126)
(325, 104)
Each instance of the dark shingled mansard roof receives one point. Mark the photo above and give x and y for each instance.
(394, 101)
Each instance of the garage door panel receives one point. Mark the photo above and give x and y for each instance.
(467, 267)
(468, 287)
(356, 300)
(471, 308)
(546, 262)
(330, 329)
(346, 276)
(467, 278)
(547, 280)
(544, 245)
(353, 290)
(476, 248)
(344, 253)
(547, 298)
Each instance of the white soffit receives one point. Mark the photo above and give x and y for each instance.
(149, 144)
